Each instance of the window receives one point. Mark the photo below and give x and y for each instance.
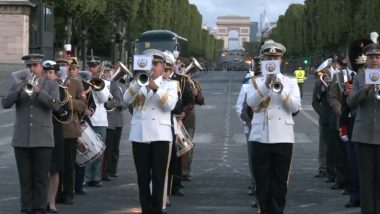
(49, 20)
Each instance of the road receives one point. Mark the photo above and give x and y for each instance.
(220, 169)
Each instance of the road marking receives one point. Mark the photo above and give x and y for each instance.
(205, 138)
(9, 199)
(7, 125)
(302, 138)
(208, 107)
(6, 111)
(311, 118)
(357, 210)
(307, 108)
(239, 138)
(5, 140)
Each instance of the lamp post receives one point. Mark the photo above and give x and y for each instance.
(113, 36)
(84, 48)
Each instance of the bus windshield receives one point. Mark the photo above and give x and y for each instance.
(161, 45)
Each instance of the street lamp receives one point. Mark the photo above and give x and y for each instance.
(84, 48)
(113, 39)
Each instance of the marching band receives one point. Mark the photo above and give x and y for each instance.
(69, 125)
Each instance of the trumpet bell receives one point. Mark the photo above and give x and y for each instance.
(143, 79)
(194, 63)
(121, 71)
(324, 67)
(377, 92)
(277, 87)
(97, 84)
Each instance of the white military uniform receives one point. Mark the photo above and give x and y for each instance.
(273, 124)
(241, 98)
(151, 121)
(99, 118)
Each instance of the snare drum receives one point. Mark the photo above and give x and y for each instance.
(90, 146)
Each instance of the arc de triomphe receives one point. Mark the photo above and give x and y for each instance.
(226, 24)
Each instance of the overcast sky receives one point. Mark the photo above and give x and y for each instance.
(210, 9)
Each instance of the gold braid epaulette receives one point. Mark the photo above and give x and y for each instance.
(253, 79)
(138, 101)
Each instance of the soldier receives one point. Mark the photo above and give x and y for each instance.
(151, 131)
(71, 130)
(35, 99)
(334, 97)
(322, 108)
(98, 121)
(366, 130)
(272, 150)
(51, 70)
(245, 115)
(189, 119)
(115, 117)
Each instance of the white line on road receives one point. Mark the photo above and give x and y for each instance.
(6, 111)
(5, 140)
(311, 118)
(7, 125)
(9, 199)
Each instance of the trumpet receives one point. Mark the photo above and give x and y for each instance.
(143, 79)
(377, 92)
(28, 87)
(277, 87)
(96, 84)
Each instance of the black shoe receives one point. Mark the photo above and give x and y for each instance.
(320, 175)
(90, 183)
(98, 184)
(251, 192)
(351, 204)
(106, 178)
(68, 201)
(186, 178)
(337, 186)
(177, 193)
(50, 210)
(80, 192)
(254, 204)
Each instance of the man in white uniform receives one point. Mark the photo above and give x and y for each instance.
(272, 134)
(151, 131)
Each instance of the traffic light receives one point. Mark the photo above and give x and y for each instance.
(305, 61)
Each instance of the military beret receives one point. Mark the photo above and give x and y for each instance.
(33, 59)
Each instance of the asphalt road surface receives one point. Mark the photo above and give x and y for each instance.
(220, 170)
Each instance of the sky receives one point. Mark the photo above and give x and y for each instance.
(211, 9)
